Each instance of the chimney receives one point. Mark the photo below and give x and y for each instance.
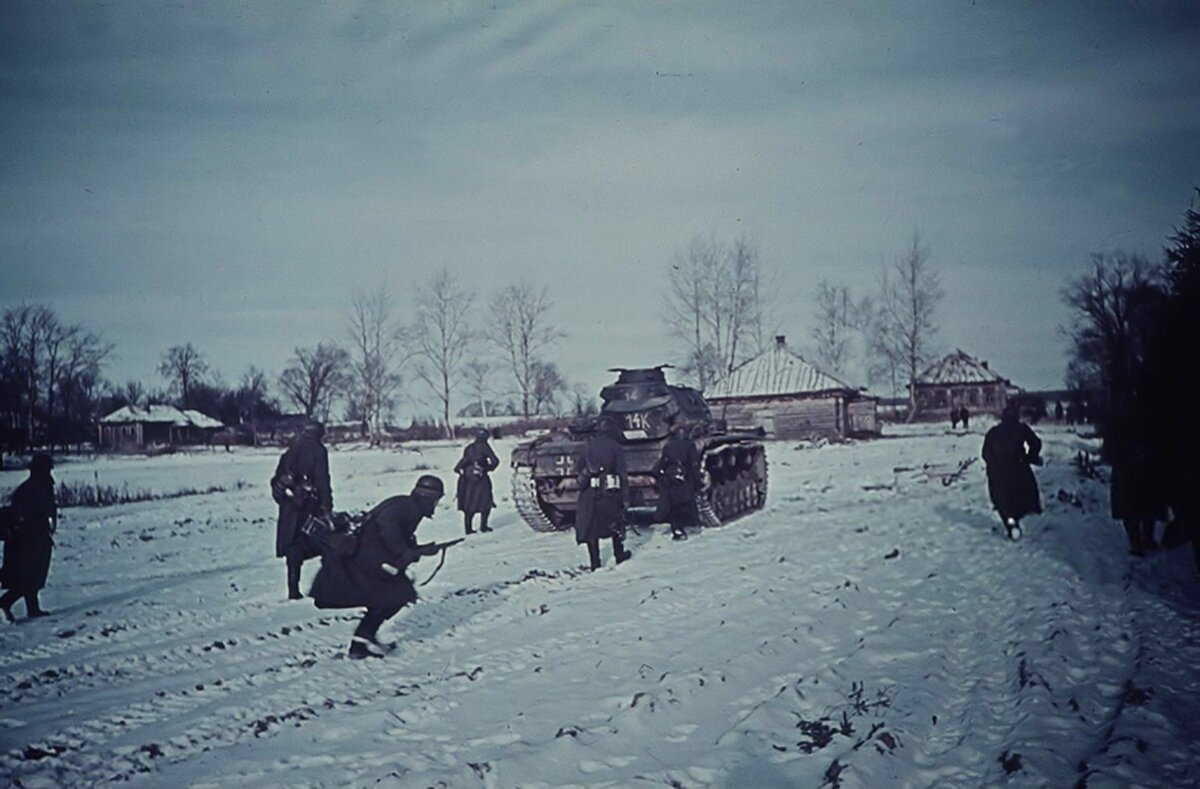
(779, 341)
(984, 363)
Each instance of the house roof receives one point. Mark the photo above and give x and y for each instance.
(959, 368)
(161, 414)
(777, 371)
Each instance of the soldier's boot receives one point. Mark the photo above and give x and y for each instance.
(1132, 530)
(293, 577)
(1148, 540)
(384, 647)
(619, 550)
(6, 603)
(593, 547)
(467, 524)
(359, 649)
(483, 522)
(367, 647)
(1014, 529)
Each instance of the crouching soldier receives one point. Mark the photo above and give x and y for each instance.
(603, 492)
(678, 470)
(372, 573)
(301, 488)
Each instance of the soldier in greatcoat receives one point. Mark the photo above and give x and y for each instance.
(474, 492)
(34, 519)
(678, 470)
(604, 492)
(373, 574)
(1009, 450)
(1136, 493)
(301, 488)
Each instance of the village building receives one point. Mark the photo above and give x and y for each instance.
(134, 429)
(788, 397)
(959, 380)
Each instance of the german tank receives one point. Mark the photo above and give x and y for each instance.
(644, 407)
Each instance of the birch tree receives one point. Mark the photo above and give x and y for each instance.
(443, 336)
(476, 374)
(840, 328)
(715, 306)
(521, 329)
(904, 327)
(377, 358)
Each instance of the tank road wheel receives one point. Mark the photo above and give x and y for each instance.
(737, 485)
(526, 501)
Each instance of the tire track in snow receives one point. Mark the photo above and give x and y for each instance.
(288, 688)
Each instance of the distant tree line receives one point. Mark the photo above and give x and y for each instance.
(493, 357)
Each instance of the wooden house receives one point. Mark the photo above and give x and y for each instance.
(788, 397)
(134, 429)
(959, 380)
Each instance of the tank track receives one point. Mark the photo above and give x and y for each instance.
(526, 502)
(732, 499)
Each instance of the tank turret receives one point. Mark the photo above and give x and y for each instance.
(644, 407)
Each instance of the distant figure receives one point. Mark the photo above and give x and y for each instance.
(1009, 450)
(34, 514)
(474, 483)
(603, 491)
(1058, 411)
(301, 488)
(678, 470)
(964, 416)
(373, 575)
(953, 417)
(1136, 490)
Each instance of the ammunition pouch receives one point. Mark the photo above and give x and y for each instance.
(604, 482)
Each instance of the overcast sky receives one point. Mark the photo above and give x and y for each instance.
(229, 174)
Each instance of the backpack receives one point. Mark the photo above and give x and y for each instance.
(335, 534)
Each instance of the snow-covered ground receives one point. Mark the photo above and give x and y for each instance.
(869, 628)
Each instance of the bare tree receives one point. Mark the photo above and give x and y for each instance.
(443, 336)
(378, 355)
(130, 393)
(251, 396)
(1114, 308)
(183, 366)
(313, 377)
(715, 306)
(476, 372)
(904, 328)
(47, 369)
(548, 384)
(521, 329)
(838, 321)
(78, 381)
(582, 400)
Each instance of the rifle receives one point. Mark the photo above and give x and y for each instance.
(438, 546)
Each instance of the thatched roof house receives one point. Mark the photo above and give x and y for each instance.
(789, 397)
(136, 428)
(958, 380)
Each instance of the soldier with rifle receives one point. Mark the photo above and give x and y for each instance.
(370, 570)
